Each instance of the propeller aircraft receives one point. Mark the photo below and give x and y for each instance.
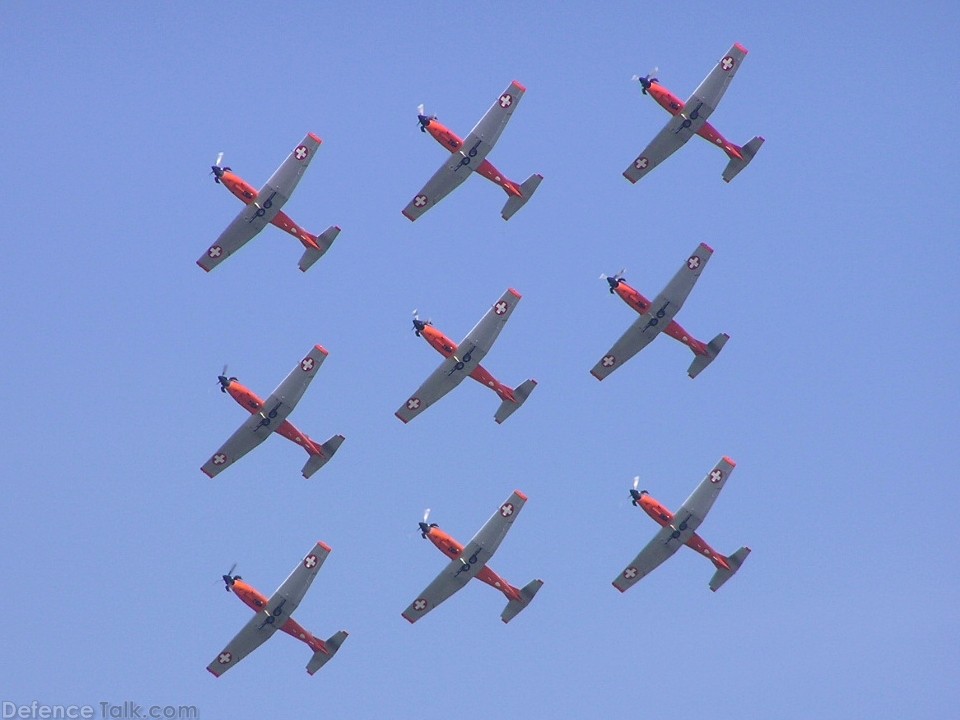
(274, 613)
(471, 561)
(464, 359)
(271, 417)
(680, 529)
(470, 155)
(657, 317)
(263, 207)
(690, 118)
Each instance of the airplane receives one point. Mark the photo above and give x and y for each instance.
(657, 317)
(263, 207)
(470, 155)
(471, 561)
(271, 417)
(679, 529)
(687, 122)
(459, 364)
(274, 613)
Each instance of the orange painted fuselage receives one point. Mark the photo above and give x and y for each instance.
(452, 549)
(249, 401)
(632, 297)
(247, 194)
(257, 601)
(664, 517)
(674, 105)
(452, 142)
(447, 347)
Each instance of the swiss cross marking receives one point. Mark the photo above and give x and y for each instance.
(307, 364)
(693, 262)
(506, 509)
(309, 561)
(420, 605)
(413, 403)
(219, 459)
(716, 476)
(727, 63)
(641, 163)
(501, 307)
(608, 361)
(301, 152)
(420, 200)
(630, 573)
(215, 252)
(506, 100)
(224, 658)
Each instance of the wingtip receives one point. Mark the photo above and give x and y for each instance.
(520, 86)
(632, 181)
(513, 292)
(520, 494)
(204, 471)
(205, 269)
(404, 213)
(706, 247)
(323, 545)
(314, 136)
(403, 615)
(730, 460)
(599, 379)
(401, 418)
(322, 349)
(741, 48)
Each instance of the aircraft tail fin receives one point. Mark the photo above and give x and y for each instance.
(318, 461)
(514, 607)
(713, 349)
(748, 151)
(734, 561)
(321, 658)
(527, 189)
(324, 241)
(521, 392)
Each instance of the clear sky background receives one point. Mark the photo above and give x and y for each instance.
(837, 395)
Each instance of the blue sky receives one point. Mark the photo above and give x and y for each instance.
(834, 274)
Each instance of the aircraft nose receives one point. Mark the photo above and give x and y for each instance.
(613, 283)
(424, 529)
(224, 382)
(418, 325)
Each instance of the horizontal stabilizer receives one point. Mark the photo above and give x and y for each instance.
(318, 461)
(734, 561)
(320, 658)
(324, 241)
(526, 595)
(527, 189)
(713, 349)
(521, 393)
(748, 151)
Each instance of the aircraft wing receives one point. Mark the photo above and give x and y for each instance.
(254, 634)
(471, 350)
(473, 558)
(285, 397)
(287, 597)
(662, 310)
(474, 150)
(708, 93)
(695, 508)
(664, 144)
(664, 544)
(255, 216)
(245, 439)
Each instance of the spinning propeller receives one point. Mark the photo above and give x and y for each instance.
(424, 528)
(424, 120)
(229, 579)
(224, 380)
(217, 170)
(647, 80)
(634, 493)
(614, 281)
(418, 324)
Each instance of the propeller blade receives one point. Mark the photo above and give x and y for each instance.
(420, 109)
(219, 159)
(426, 514)
(636, 482)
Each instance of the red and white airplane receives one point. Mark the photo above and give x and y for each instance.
(657, 317)
(470, 155)
(274, 613)
(464, 359)
(690, 118)
(679, 529)
(471, 561)
(271, 417)
(263, 207)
